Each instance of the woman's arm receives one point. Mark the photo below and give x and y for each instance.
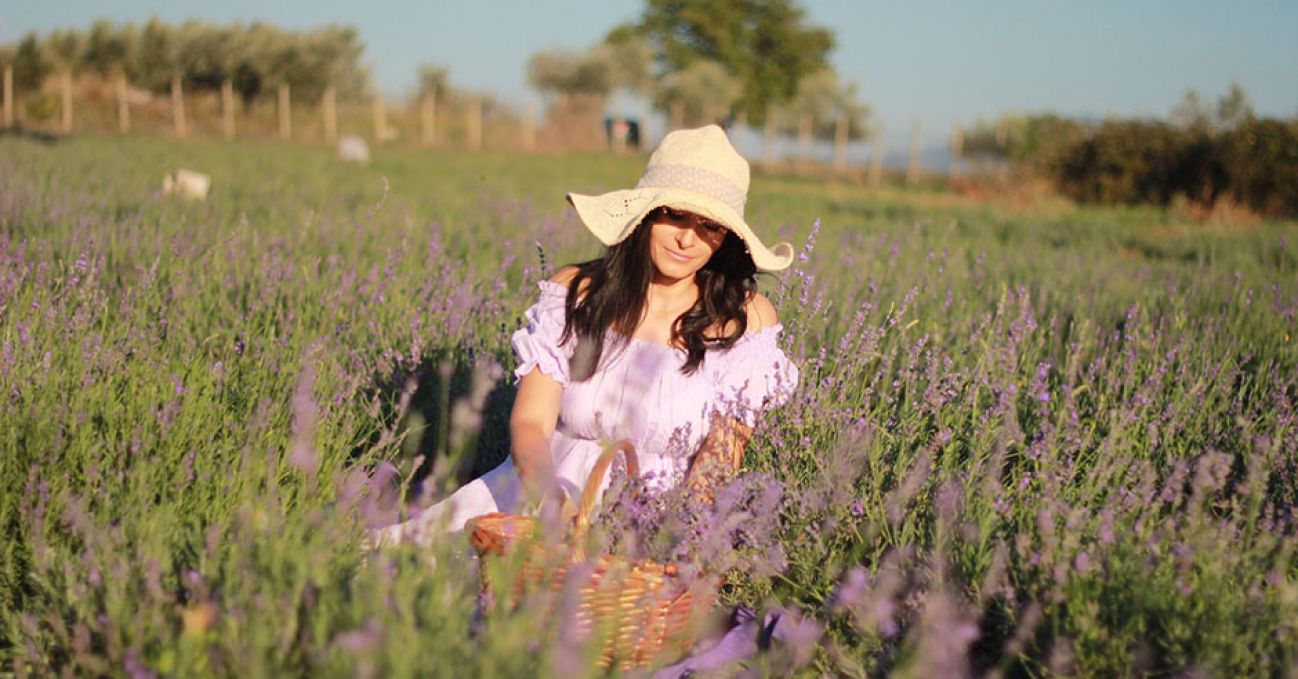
(532, 421)
(719, 457)
(531, 425)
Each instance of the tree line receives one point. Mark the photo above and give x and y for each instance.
(255, 58)
(1204, 152)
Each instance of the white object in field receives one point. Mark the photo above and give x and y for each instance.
(187, 183)
(353, 149)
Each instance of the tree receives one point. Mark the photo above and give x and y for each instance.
(107, 48)
(433, 79)
(566, 72)
(822, 100)
(156, 58)
(704, 89)
(631, 60)
(1191, 112)
(31, 65)
(205, 55)
(764, 43)
(329, 56)
(1235, 108)
(64, 48)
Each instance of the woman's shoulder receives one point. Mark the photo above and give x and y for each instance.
(761, 313)
(761, 317)
(563, 278)
(565, 275)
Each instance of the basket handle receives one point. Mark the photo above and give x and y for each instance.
(590, 493)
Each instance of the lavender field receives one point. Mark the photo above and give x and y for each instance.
(1030, 440)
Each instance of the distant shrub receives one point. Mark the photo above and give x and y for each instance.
(1036, 141)
(1141, 161)
(42, 107)
(1260, 159)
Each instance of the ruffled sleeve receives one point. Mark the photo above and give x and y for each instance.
(754, 375)
(537, 343)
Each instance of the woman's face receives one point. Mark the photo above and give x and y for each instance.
(682, 242)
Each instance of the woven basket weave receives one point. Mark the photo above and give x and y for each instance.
(642, 605)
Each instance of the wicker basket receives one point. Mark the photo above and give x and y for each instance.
(643, 605)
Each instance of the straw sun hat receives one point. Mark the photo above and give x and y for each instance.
(694, 170)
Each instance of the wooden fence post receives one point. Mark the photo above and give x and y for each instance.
(285, 112)
(330, 111)
(380, 119)
(65, 85)
(475, 123)
(9, 95)
(957, 148)
(123, 106)
(678, 115)
(804, 138)
(912, 163)
(529, 125)
(227, 108)
(178, 106)
(876, 157)
(428, 117)
(768, 138)
(840, 142)
(646, 141)
(1003, 143)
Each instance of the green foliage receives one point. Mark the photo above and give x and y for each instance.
(107, 48)
(765, 43)
(31, 65)
(42, 107)
(565, 71)
(433, 79)
(1253, 163)
(631, 60)
(1130, 161)
(1260, 160)
(65, 49)
(1036, 141)
(1233, 109)
(704, 89)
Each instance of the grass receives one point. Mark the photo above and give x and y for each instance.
(1054, 441)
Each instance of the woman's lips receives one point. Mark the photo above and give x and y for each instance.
(678, 256)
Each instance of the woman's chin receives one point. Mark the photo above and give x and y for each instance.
(674, 271)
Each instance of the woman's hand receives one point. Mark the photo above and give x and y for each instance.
(719, 456)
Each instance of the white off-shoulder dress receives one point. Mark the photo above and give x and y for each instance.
(638, 393)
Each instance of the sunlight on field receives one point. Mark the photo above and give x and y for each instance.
(1050, 439)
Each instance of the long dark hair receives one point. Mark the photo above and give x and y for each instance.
(618, 288)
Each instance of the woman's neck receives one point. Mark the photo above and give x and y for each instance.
(672, 293)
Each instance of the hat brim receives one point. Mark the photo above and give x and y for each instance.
(613, 216)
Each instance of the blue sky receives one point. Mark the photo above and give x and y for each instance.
(935, 62)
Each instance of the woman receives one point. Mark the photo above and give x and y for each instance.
(663, 340)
